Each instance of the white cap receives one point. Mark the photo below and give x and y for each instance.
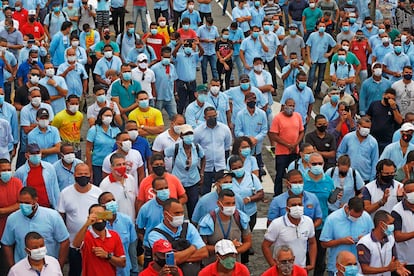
(142, 57)
(185, 129)
(32, 12)
(407, 127)
(224, 247)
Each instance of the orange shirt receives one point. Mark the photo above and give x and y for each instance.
(174, 185)
(288, 129)
(9, 195)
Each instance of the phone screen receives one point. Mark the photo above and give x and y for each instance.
(169, 258)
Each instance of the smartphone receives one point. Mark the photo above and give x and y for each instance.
(105, 215)
(169, 258)
(333, 197)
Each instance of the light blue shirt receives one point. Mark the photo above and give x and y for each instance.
(102, 142)
(147, 50)
(221, 104)
(319, 46)
(215, 141)
(329, 111)
(251, 48)
(367, 33)
(310, 202)
(104, 65)
(347, 228)
(257, 16)
(49, 177)
(375, 41)
(301, 168)
(190, 176)
(128, 43)
(57, 48)
(11, 59)
(163, 5)
(342, 71)
(408, 49)
(7, 138)
(272, 42)
(347, 185)
(302, 99)
(58, 104)
(371, 91)
(393, 151)
(8, 112)
(47, 222)
(74, 78)
(194, 17)
(205, 8)
(241, 12)
(364, 155)
(45, 140)
(117, 3)
(103, 5)
(380, 51)
(150, 215)
(163, 82)
(186, 65)
(64, 176)
(249, 186)
(205, 32)
(179, 5)
(237, 97)
(54, 24)
(194, 114)
(192, 235)
(396, 63)
(252, 125)
(234, 36)
(206, 227)
(30, 4)
(267, 80)
(291, 79)
(124, 226)
(81, 55)
(24, 53)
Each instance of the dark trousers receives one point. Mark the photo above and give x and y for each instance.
(4, 267)
(118, 16)
(208, 180)
(221, 70)
(271, 65)
(97, 175)
(259, 160)
(7, 91)
(320, 264)
(21, 158)
(192, 195)
(185, 91)
(245, 256)
(90, 67)
(204, 15)
(147, 256)
(282, 162)
(75, 262)
(312, 74)
(176, 19)
(159, 12)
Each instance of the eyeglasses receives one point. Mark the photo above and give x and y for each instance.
(317, 163)
(289, 261)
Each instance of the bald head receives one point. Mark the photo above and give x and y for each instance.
(344, 258)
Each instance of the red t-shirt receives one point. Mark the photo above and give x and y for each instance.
(93, 265)
(9, 195)
(174, 185)
(156, 42)
(140, 3)
(211, 270)
(359, 48)
(297, 271)
(190, 34)
(36, 29)
(150, 271)
(21, 16)
(35, 179)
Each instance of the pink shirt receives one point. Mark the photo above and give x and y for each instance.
(288, 128)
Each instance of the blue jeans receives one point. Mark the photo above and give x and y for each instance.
(363, 75)
(237, 63)
(141, 12)
(213, 65)
(282, 161)
(169, 106)
(300, 26)
(97, 175)
(225, 5)
(312, 74)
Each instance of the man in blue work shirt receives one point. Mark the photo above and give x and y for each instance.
(251, 47)
(241, 14)
(105, 63)
(65, 167)
(193, 15)
(342, 73)
(399, 150)
(220, 101)
(56, 86)
(362, 148)
(60, 42)
(291, 70)
(355, 223)
(194, 113)
(294, 187)
(236, 36)
(395, 61)
(208, 36)
(272, 42)
(8, 112)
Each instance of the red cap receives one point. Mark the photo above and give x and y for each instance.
(162, 246)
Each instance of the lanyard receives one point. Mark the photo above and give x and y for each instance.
(218, 101)
(226, 235)
(110, 63)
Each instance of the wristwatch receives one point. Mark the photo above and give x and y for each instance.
(109, 256)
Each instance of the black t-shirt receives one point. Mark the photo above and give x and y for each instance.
(224, 47)
(22, 94)
(327, 143)
(383, 123)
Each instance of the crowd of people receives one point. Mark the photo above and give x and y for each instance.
(138, 196)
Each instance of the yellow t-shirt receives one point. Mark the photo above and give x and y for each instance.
(164, 33)
(69, 126)
(150, 118)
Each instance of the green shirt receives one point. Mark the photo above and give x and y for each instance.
(126, 96)
(101, 44)
(350, 59)
(312, 16)
(393, 34)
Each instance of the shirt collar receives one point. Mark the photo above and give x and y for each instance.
(29, 267)
(288, 223)
(405, 207)
(95, 236)
(374, 239)
(112, 178)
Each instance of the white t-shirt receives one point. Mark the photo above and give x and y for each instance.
(22, 268)
(75, 205)
(163, 141)
(133, 161)
(125, 195)
(149, 77)
(404, 96)
(93, 109)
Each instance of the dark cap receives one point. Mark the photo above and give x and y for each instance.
(202, 88)
(42, 113)
(222, 173)
(250, 96)
(244, 77)
(32, 148)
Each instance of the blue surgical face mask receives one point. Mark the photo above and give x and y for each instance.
(227, 186)
(188, 139)
(186, 27)
(238, 173)
(112, 206)
(173, 42)
(1, 99)
(6, 176)
(341, 58)
(296, 188)
(188, 50)
(154, 31)
(292, 32)
(246, 152)
(306, 157)
(126, 76)
(202, 98)
(143, 103)
(266, 28)
(398, 49)
(35, 158)
(255, 34)
(244, 85)
(316, 170)
(163, 195)
(389, 230)
(225, 36)
(335, 98)
(26, 209)
(56, 9)
(131, 30)
(350, 270)
(321, 29)
(345, 28)
(301, 85)
(165, 61)
(352, 20)
(101, 98)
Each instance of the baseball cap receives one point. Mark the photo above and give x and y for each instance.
(162, 246)
(142, 57)
(244, 77)
(293, 25)
(224, 247)
(32, 148)
(333, 88)
(186, 129)
(42, 113)
(32, 12)
(222, 173)
(202, 88)
(407, 127)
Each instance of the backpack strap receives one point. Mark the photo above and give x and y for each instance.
(236, 217)
(166, 235)
(184, 229)
(357, 192)
(296, 164)
(332, 171)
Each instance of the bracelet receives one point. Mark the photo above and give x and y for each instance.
(381, 202)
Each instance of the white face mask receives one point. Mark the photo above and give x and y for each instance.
(296, 211)
(258, 68)
(229, 210)
(74, 108)
(107, 120)
(133, 134)
(126, 145)
(162, 23)
(38, 254)
(378, 72)
(177, 221)
(43, 123)
(50, 72)
(215, 90)
(311, 5)
(143, 65)
(364, 131)
(69, 158)
(191, 7)
(108, 54)
(75, 43)
(34, 79)
(410, 197)
(346, 48)
(36, 101)
(71, 58)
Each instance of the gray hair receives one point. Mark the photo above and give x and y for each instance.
(284, 248)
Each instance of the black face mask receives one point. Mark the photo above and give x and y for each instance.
(251, 104)
(160, 262)
(407, 137)
(343, 174)
(387, 26)
(211, 122)
(31, 19)
(107, 37)
(387, 178)
(408, 76)
(99, 226)
(159, 171)
(386, 101)
(82, 180)
(321, 128)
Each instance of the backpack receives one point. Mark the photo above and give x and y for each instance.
(122, 39)
(64, 16)
(176, 152)
(80, 13)
(336, 67)
(236, 217)
(357, 192)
